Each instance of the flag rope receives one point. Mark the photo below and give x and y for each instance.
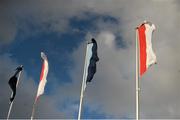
(82, 86)
(11, 104)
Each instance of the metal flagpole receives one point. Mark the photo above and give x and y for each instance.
(82, 86)
(137, 77)
(11, 104)
(33, 110)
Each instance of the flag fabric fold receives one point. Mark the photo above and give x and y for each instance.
(13, 82)
(147, 56)
(43, 76)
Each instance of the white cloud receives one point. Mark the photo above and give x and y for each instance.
(25, 95)
(113, 87)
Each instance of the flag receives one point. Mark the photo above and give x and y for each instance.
(93, 58)
(13, 82)
(44, 72)
(147, 56)
(89, 68)
(90, 62)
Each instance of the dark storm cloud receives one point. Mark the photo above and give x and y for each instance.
(7, 23)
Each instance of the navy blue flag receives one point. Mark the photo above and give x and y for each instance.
(93, 58)
(13, 82)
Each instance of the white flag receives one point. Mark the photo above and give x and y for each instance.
(43, 76)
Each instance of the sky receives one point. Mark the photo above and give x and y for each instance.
(61, 29)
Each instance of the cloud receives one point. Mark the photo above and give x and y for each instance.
(113, 87)
(25, 95)
(37, 16)
(112, 90)
(8, 26)
(112, 79)
(7, 31)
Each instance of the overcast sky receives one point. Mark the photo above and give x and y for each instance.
(61, 29)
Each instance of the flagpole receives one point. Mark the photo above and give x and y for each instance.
(33, 110)
(11, 104)
(137, 77)
(82, 86)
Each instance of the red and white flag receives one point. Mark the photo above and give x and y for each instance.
(43, 76)
(147, 56)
